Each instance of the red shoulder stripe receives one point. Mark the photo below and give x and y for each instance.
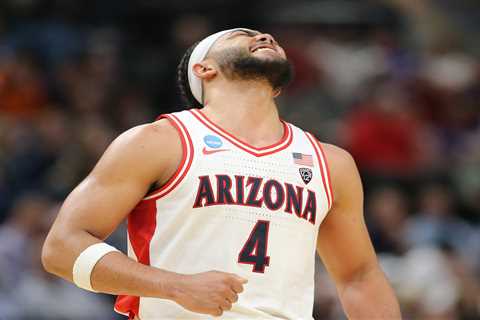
(323, 168)
(185, 164)
(327, 168)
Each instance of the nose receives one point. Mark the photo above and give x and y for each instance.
(265, 37)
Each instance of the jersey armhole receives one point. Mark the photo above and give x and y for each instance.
(185, 163)
(324, 168)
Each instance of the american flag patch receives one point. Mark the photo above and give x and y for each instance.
(302, 159)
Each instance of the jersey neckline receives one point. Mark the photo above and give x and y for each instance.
(283, 143)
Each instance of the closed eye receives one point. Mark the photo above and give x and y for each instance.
(249, 33)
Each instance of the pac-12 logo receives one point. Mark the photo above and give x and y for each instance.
(212, 141)
(306, 174)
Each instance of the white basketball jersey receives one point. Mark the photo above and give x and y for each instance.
(235, 208)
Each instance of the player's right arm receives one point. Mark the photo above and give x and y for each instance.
(133, 162)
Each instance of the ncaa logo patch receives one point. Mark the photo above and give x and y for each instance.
(212, 141)
(306, 174)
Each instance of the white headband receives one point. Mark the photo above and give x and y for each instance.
(198, 54)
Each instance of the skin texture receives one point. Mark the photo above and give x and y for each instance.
(127, 169)
(345, 247)
(113, 188)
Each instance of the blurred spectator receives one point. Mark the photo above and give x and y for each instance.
(386, 216)
(347, 63)
(395, 82)
(436, 221)
(326, 304)
(22, 92)
(425, 283)
(22, 225)
(30, 292)
(131, 109)
(384, 134)
(469, 288)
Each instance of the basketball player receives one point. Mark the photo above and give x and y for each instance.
(226, 204)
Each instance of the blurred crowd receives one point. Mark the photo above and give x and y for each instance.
(395, 82)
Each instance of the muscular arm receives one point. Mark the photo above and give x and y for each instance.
(135, 160)
(97, 206)
(346, 250)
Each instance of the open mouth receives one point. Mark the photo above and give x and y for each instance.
(262, 47)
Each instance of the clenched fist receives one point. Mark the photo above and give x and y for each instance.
(209, 292)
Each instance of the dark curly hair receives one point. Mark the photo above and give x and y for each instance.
(182, 79)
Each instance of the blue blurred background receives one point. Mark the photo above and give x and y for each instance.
(395, 82)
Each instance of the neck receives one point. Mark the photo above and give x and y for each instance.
(246, 109)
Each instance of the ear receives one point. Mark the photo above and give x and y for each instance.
(277, 92)
(204, 70)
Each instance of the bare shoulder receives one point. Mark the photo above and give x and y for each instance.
(152, 150)
(344, 174)
(339, 160)
(158, 133)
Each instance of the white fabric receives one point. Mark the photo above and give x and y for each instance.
(191, 240)
(198, 54)
(86, 261)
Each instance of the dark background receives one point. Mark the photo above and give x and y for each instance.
(395, 82)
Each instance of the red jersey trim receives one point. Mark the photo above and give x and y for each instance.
(284, 142)
(185, 164)
(323, 168)
(142, 220)
(119, 311)
(327, 168)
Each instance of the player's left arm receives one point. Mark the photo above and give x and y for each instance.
(345, 247)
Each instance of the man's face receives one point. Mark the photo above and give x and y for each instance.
(260, 45)
(251, 55)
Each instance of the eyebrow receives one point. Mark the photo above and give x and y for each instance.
(250, 33)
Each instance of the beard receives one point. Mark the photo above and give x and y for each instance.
(240, 64)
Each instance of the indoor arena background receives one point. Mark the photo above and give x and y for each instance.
(395, 82)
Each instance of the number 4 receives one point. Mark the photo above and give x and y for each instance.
(254, 251)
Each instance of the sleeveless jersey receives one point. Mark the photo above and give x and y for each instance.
(235, 208)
